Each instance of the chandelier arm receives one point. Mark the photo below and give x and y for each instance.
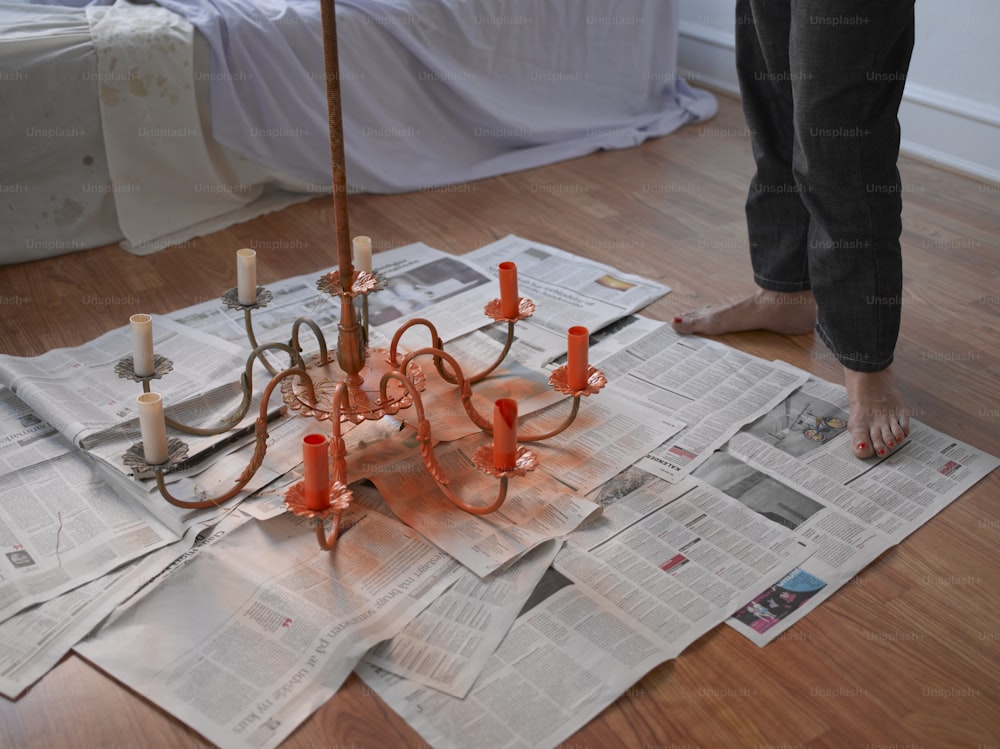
(338, 449)
(499, 360)
(327, 542)
(246, 386)
(427, 451)
(476, 509)
(253, 342)
(569, 420)
(464, 387)
(394, 344)
(423, 424)
(260, 448)
(320, 338)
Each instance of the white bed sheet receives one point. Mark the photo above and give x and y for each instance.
(129, 123)
(106, 135)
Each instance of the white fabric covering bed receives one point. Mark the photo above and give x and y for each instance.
(156, 123)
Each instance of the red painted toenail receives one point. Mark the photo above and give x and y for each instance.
(892, 444)
(678, 320)
(862, 445)
(881, 452)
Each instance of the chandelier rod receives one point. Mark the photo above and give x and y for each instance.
(337, 162)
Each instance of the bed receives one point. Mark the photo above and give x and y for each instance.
(152, 123)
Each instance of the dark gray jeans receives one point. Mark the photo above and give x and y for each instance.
(821, 82)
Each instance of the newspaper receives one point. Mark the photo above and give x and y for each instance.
(25, 439)
(610, 434)
(214, 477)
(567, 289)
(713, 389)
(600, 620)
(62, 525)
(796, 465)
(447, 645)
(35, 640)
(536, 509)
(291, 298)
(260, 627)
(78, 391)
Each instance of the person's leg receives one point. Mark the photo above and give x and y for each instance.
(777, 221)
(848, 71)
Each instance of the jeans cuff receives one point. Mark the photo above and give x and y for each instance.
(856, 363)
(787, 286)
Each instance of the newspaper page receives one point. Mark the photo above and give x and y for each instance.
(248, 637)
(567, 289)
(34, 641)
(62, 525)
(609, 434)
(536, 508)
(604, 342)
(795, 465)
(25, 439)
(599, 621)
(713, 389)
(78, 391)
(214, 477)
(565, 659)
(291, 298)
(423, 282)
(447, 645)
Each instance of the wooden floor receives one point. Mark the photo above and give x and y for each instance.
(905, 656)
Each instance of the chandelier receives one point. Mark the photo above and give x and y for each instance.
(354, 382)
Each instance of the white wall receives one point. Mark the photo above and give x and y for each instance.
(951, 107)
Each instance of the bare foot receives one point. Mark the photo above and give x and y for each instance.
(782, 312)
(878, 421)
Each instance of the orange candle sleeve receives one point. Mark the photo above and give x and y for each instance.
(504, 433)
(576, 357)
(316, 467)
(510, 303)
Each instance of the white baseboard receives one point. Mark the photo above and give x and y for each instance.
(707, 57)
(954, 132)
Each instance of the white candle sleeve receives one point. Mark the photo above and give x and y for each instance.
(246, 276)
(142, 344)
(153, 428)
(363, 254)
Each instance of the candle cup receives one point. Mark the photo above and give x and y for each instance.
(246, 276)
(577, 348)
(363, 253)
(153, 428)
(316, 468)
(504, 433)
(510, 303)
(142, 344)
